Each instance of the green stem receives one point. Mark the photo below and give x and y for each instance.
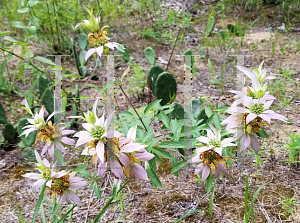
(70, 147)
(119, 84)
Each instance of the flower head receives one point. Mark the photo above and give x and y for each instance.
(127, 157)
(47, 172)
(209, 161)
(96, 132)
(92, 23)
(213, 140)
(53, 136)
(259, 73)
(37, 122)
(260, 108)
(63, 186)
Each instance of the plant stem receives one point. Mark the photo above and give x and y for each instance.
(133, 107)
(70, 147)
(173, 49)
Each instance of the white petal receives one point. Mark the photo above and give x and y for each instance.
(89, 53)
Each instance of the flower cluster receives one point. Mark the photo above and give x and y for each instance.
(58, 183)
(98, 37)
(245, 122)
(51, 135)
(209, 157)
(110, 147)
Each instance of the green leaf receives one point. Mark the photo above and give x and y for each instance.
(97, 191)
(23, 10)
(126, 114)
(209, 182)
(178, 166)
(28, 154)
(33, 2)
(8, 38)
(46, 93)
(120, 49)
(34, 21)
(174, 162)
(217, 121)
(262, 133)
(221, 109)
(154, 104)
(37, 207)
(83, 171)
(44, 60)
(18, 24)
(6, 32)
(176, 126)
(162, 153)
(125, 53)
(208, 112)
(152, 175)
(58, 155)
(21, 72)
(2, 70)
(210, 24)
(171, 144)
(94, 86)
(164, 118)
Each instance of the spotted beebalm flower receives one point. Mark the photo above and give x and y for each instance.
(126, 157)
(209, 161)
(37, 122)
(100, 49)
(92, 23)
(98, 37)
(259, 108)
(258, 72)
(213, 140)
(53, 136)
(96, 133)
(47, 172)
(63, 186)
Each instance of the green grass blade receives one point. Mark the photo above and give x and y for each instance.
(21, 218)
(107, 204)
(39, 203)
(43, 214)
(190, 212)
(66, 215)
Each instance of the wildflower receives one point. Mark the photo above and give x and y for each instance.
(92, 23)
(37, 122)
(210, 161)
(47, 173)
(258, 108)
(53, 136)
(213, 140)
(101, 48)
(63, 186)
(258, 72)
(127, 156)
(96, 133)
(98, 37)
